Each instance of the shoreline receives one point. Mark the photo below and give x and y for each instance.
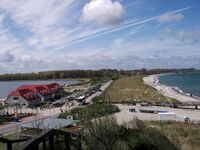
(172, 92)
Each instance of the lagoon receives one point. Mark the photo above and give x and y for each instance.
(7, 86)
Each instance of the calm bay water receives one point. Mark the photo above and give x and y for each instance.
(187, 82)
(7, 86)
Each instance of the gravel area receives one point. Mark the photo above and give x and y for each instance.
(124, 115)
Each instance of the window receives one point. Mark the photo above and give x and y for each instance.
(15, 98)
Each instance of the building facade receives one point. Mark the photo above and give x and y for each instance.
(32, 95)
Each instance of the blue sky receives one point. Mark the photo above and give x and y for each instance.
(38, 35)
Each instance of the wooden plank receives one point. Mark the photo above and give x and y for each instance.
(20, 140)
(44, 145)
(67, 142)
(4, 140)
(51, 142)
(9, 146)
(47, 135)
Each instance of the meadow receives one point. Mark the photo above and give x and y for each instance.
(132, 89)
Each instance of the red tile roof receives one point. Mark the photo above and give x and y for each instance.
(26, 93)
(29, 92)
(15, 93)
(37, 89)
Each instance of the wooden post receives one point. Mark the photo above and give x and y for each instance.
(67, 142)
(79, 146)
(51, 142)
(9, 146)
(44, 145)
(37, 146)
(57, 138)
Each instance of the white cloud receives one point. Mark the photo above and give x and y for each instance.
(192, 36)
(42, 18)
(6, 56)
(104, 12)
(188, 36)
(168, 17)
(55, 24)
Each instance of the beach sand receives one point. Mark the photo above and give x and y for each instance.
(152, 80)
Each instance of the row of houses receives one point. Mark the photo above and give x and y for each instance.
(31, 95)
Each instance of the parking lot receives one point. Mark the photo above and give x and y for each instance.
(125, 115)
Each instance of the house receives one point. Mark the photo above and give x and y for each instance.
(43, 92)
(31, 95)
(56, 89)
(23, 97)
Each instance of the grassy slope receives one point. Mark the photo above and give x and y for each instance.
(185, 135)
(129, 89)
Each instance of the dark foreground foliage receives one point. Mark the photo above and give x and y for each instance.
(106, 134)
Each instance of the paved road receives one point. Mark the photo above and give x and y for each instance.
(102, 88)
(42, 114)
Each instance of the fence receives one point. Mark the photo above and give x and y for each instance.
(47, 139)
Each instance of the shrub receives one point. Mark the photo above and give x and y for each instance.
(106, 134)
(4, 118)
(94, 110)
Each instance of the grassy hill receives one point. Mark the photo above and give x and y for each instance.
(185, 136)
(132, 89)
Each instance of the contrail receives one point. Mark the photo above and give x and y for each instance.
(130, 24)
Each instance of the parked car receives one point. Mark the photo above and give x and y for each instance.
(132, 110)
(186, 119)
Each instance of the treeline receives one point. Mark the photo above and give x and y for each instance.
(111, 73)
(61, 74)
(181, 70)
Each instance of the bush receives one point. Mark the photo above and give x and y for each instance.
(98, 99)
(98, 80)
(94, 110)
(3, 119)
(106, 134)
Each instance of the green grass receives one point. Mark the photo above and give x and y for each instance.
(11, 137)
(186, 136)
(94, 110)
(132, 89)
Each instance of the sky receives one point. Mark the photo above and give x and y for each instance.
(41, 35)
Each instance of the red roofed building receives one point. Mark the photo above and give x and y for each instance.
(43, 92)
(23, 97)
(55, 88)
(31, 95)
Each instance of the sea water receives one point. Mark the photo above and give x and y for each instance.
(188, 83)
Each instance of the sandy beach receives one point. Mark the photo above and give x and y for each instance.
(152, 80)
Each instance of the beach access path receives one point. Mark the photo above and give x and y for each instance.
(151, 80)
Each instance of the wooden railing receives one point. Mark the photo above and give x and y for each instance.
(10, 143)
(47, 139)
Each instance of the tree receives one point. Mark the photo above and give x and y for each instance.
(62, 75)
